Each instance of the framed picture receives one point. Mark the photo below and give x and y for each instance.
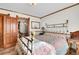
(35, 25)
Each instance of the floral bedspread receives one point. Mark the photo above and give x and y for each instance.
(43, 48)
(56, 40)
(39, 47)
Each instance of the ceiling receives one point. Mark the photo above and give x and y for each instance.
(38, 10)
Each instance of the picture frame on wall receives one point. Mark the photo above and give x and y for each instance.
(35, 25)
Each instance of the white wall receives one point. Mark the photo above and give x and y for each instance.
(71, 14)
(21, 15)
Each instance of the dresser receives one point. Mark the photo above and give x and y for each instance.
(8, 30)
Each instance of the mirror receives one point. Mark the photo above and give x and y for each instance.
(23, 26)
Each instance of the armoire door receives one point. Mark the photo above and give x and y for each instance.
(10, 31)
(1, 32)
(14, 30)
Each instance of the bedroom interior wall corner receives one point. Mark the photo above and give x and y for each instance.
(70, 14)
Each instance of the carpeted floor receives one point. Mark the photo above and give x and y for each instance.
(8, 51)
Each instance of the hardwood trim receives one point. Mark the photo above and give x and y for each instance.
(17, 24)
(28, 27)
(4, 14)
(19, 12)
(59, 10)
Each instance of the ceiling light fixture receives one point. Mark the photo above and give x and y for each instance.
(33, 2)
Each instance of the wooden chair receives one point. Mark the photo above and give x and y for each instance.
(71, 51)
(74, 34)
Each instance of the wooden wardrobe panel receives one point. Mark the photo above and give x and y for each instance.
(10, 32)
(7, 31)
(14, 29)
(1, 32)
(4, 30)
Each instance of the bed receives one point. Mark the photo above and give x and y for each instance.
(43, 48)
(58, 41)
(57, 37)
(38, 48)
(51, 43)
(47, 44)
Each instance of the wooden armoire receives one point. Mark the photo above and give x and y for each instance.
(8, 30)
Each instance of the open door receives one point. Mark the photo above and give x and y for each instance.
(23, 26)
